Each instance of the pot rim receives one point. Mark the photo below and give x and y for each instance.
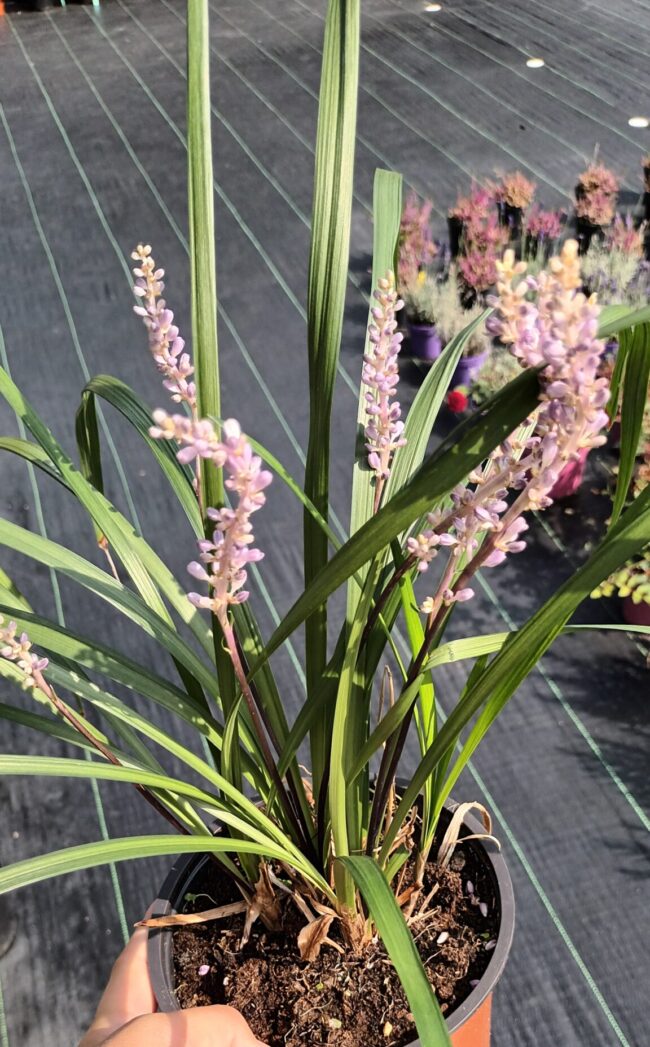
(421, 327)
(185, 868)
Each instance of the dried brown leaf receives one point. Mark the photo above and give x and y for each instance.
(263, 905)
(312, 937)
(181, 919)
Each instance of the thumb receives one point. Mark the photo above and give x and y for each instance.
(215, 1026)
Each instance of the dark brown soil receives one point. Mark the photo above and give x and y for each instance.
(345, 1001)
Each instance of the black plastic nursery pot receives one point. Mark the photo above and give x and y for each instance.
(512, 218)
(585, 232)
(455, 229)
(469, 1024)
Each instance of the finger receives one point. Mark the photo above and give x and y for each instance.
(200, 1027)
(128, 994)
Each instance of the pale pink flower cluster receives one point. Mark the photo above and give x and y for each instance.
(380, 375)
(164, 341)
(18, 649)
(416, 248)
(223, 557)
(544, 225)
(557, 330)
(475, 511)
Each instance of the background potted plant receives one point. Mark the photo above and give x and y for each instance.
(453, 319)
(542, 230)
(514, 194)
(632, 584)
(475, 207)
(416, 248)
(333, 860)
(596, 194)
(499, 369)
(424, 301)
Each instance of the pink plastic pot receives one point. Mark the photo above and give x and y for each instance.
(636, 613)
(570, 478)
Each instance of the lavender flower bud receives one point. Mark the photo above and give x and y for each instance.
(380, 375)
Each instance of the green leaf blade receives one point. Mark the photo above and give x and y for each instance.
(401, 948)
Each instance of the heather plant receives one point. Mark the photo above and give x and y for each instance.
(598, 178)
(515, 190)
(477, 205)
(596, 195)
(417, 248)
(330, 842)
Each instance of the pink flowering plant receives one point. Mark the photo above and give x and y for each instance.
(333, 840)
(417, 248)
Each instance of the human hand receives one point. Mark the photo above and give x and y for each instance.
(126, 1014)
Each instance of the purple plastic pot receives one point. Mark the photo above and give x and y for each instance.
(570, 478)
(424, 340)
(636, 613)
(467, 369)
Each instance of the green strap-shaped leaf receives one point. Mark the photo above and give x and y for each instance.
(203, 268)
(466, 447)
(635, 396)
(401, 948)
(328, 264)
(524, 648)
(425, 407)
(616, 318)
(90, 855)
(249, 817)
(51, 554)
(124, 400)
(98, 658)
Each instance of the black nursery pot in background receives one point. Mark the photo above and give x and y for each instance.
(585, 232)
(512, 218)
(469, 1024)
(455, 227)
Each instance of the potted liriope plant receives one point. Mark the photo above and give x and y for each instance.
(336, 866)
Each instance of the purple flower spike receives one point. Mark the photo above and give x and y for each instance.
(380, 375)
(223, 559)
(18, 649)
(164, 342)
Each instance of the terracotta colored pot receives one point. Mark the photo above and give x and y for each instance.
(469, 1025)
(636, 613)
(424, 341)
(467, 369)
(570, 478)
